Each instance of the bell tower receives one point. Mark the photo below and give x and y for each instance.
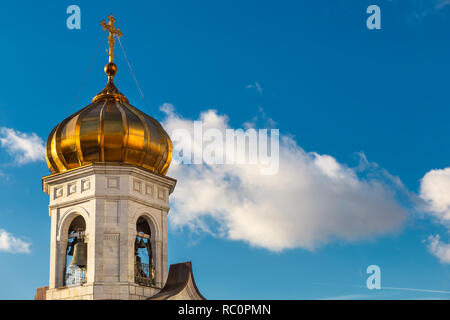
(109, 199)
(118, 210)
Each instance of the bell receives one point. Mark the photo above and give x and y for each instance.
(71, 245)
(79, 255)
(70, 253)
(142, 244)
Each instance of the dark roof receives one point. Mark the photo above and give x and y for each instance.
(177, 282)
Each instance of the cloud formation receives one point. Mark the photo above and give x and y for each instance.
(312, 201)
(23, 147)
(439, 249)
(417, 10)
(11, 244)
(442, 4)
(435, 191)
(255, 86)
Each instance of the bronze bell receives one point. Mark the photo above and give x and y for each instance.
(71, 245)
(79, 255)
(70, 253)
(142, 244)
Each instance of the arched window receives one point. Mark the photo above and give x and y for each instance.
(76, 254)
(144, 265)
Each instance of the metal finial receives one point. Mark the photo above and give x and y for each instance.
(112, 31)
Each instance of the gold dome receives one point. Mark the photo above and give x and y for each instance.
(109, 130)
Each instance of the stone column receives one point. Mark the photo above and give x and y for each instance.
(53, 250)
(156, 247)
(61, 248)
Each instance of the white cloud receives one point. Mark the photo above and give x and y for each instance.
(23, 147)
(313, 199)
(9, 243)
(435, 191)
(256, 86)
(442, 4)
(419, 9)
(439, 249)
(262, 118)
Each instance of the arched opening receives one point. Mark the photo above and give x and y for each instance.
(75, 269)
(144, 264)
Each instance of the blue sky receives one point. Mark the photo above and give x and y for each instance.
(313, 67)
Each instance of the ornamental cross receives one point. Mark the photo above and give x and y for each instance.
(112, 31)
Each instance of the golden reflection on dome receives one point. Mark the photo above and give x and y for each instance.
(109, 130)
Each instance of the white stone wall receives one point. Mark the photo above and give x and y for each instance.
(123, 291)
(110, 198)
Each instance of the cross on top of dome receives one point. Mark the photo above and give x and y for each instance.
(112, 31)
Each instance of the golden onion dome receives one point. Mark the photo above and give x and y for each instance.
(109, 130)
